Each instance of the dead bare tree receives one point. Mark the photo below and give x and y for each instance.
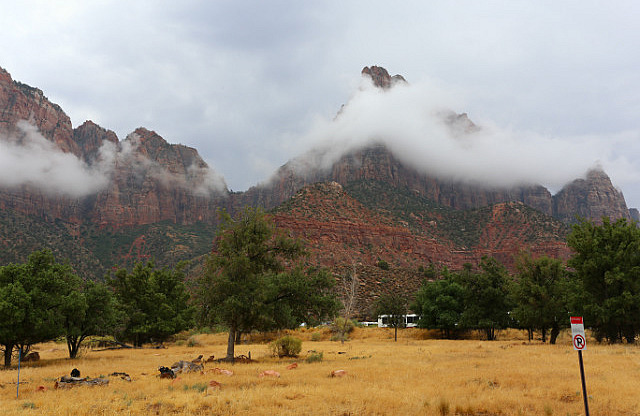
(350, 286)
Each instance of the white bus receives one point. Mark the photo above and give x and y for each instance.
(410, 320)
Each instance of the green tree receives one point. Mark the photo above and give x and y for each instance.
(394, 306)
(155, 302)
(486, 302)
(32, 296)
(253, 279)
(440, 305)
(540, 295)
(91, 310)
(607, 265)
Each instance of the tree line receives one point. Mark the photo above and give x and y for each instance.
(257, 279)
(42, 300)
(600, 282)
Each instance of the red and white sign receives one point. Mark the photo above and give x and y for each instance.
(577, 333)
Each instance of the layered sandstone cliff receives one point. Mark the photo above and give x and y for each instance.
(150, 180)
(589, 198)
(147, 179)
(156, 181)
(593, 197)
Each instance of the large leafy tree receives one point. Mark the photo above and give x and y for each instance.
(154, 301)
(485, 297)
(253, 279)
(33, 298)
(91, 310)
(395, 307)
(540, 292)
(607, 265)
(440, 305)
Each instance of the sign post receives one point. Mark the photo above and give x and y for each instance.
(579, 344)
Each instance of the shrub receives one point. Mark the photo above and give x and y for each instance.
(383, 265)
(286, 346)
(340, 328)
(316, 336)
(314, 357)
(193, 342)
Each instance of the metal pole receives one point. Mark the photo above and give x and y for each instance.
(19, 359)
(584, 384)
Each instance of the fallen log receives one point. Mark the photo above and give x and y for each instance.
(186, 367)
(68, 382)
(107, 344)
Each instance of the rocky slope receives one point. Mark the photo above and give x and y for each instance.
(350, 231)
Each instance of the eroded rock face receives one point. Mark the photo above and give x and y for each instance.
(149, 180)
(155, 181)
(91, 138)
(381, 77)
(378, 163)
(19, 102)
(593, 197)
(590, 198)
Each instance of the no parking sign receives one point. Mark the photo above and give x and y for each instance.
(579, 344)
(577, 333)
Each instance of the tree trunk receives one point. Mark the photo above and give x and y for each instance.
(491, 334)
(544, 334)
(555, 331)
(8, 351)
(238, 337)
(395, 335)
(231, 343)
(73, 345)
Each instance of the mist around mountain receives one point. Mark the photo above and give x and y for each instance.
(393, 177)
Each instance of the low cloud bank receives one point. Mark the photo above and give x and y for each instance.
(415, 122)
(30, 159)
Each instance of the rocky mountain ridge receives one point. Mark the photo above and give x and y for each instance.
(152, 185)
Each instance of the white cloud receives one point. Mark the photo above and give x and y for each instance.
(410, 120)
(238, 79)
(30, 159)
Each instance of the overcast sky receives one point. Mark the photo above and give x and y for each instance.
(252, 84)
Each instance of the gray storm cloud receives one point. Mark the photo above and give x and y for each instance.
(32, 160)
(412, 121)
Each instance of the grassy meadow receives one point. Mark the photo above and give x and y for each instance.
(417, 375)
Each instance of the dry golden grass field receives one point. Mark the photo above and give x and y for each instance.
(414, 376)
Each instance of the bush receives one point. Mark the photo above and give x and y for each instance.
(286, 346)
(340, 328)
(316, 336)
(383, 265)
(193, 342)
(314, 357)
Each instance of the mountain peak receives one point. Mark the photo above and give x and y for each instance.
(381, 77)
(4, 75)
